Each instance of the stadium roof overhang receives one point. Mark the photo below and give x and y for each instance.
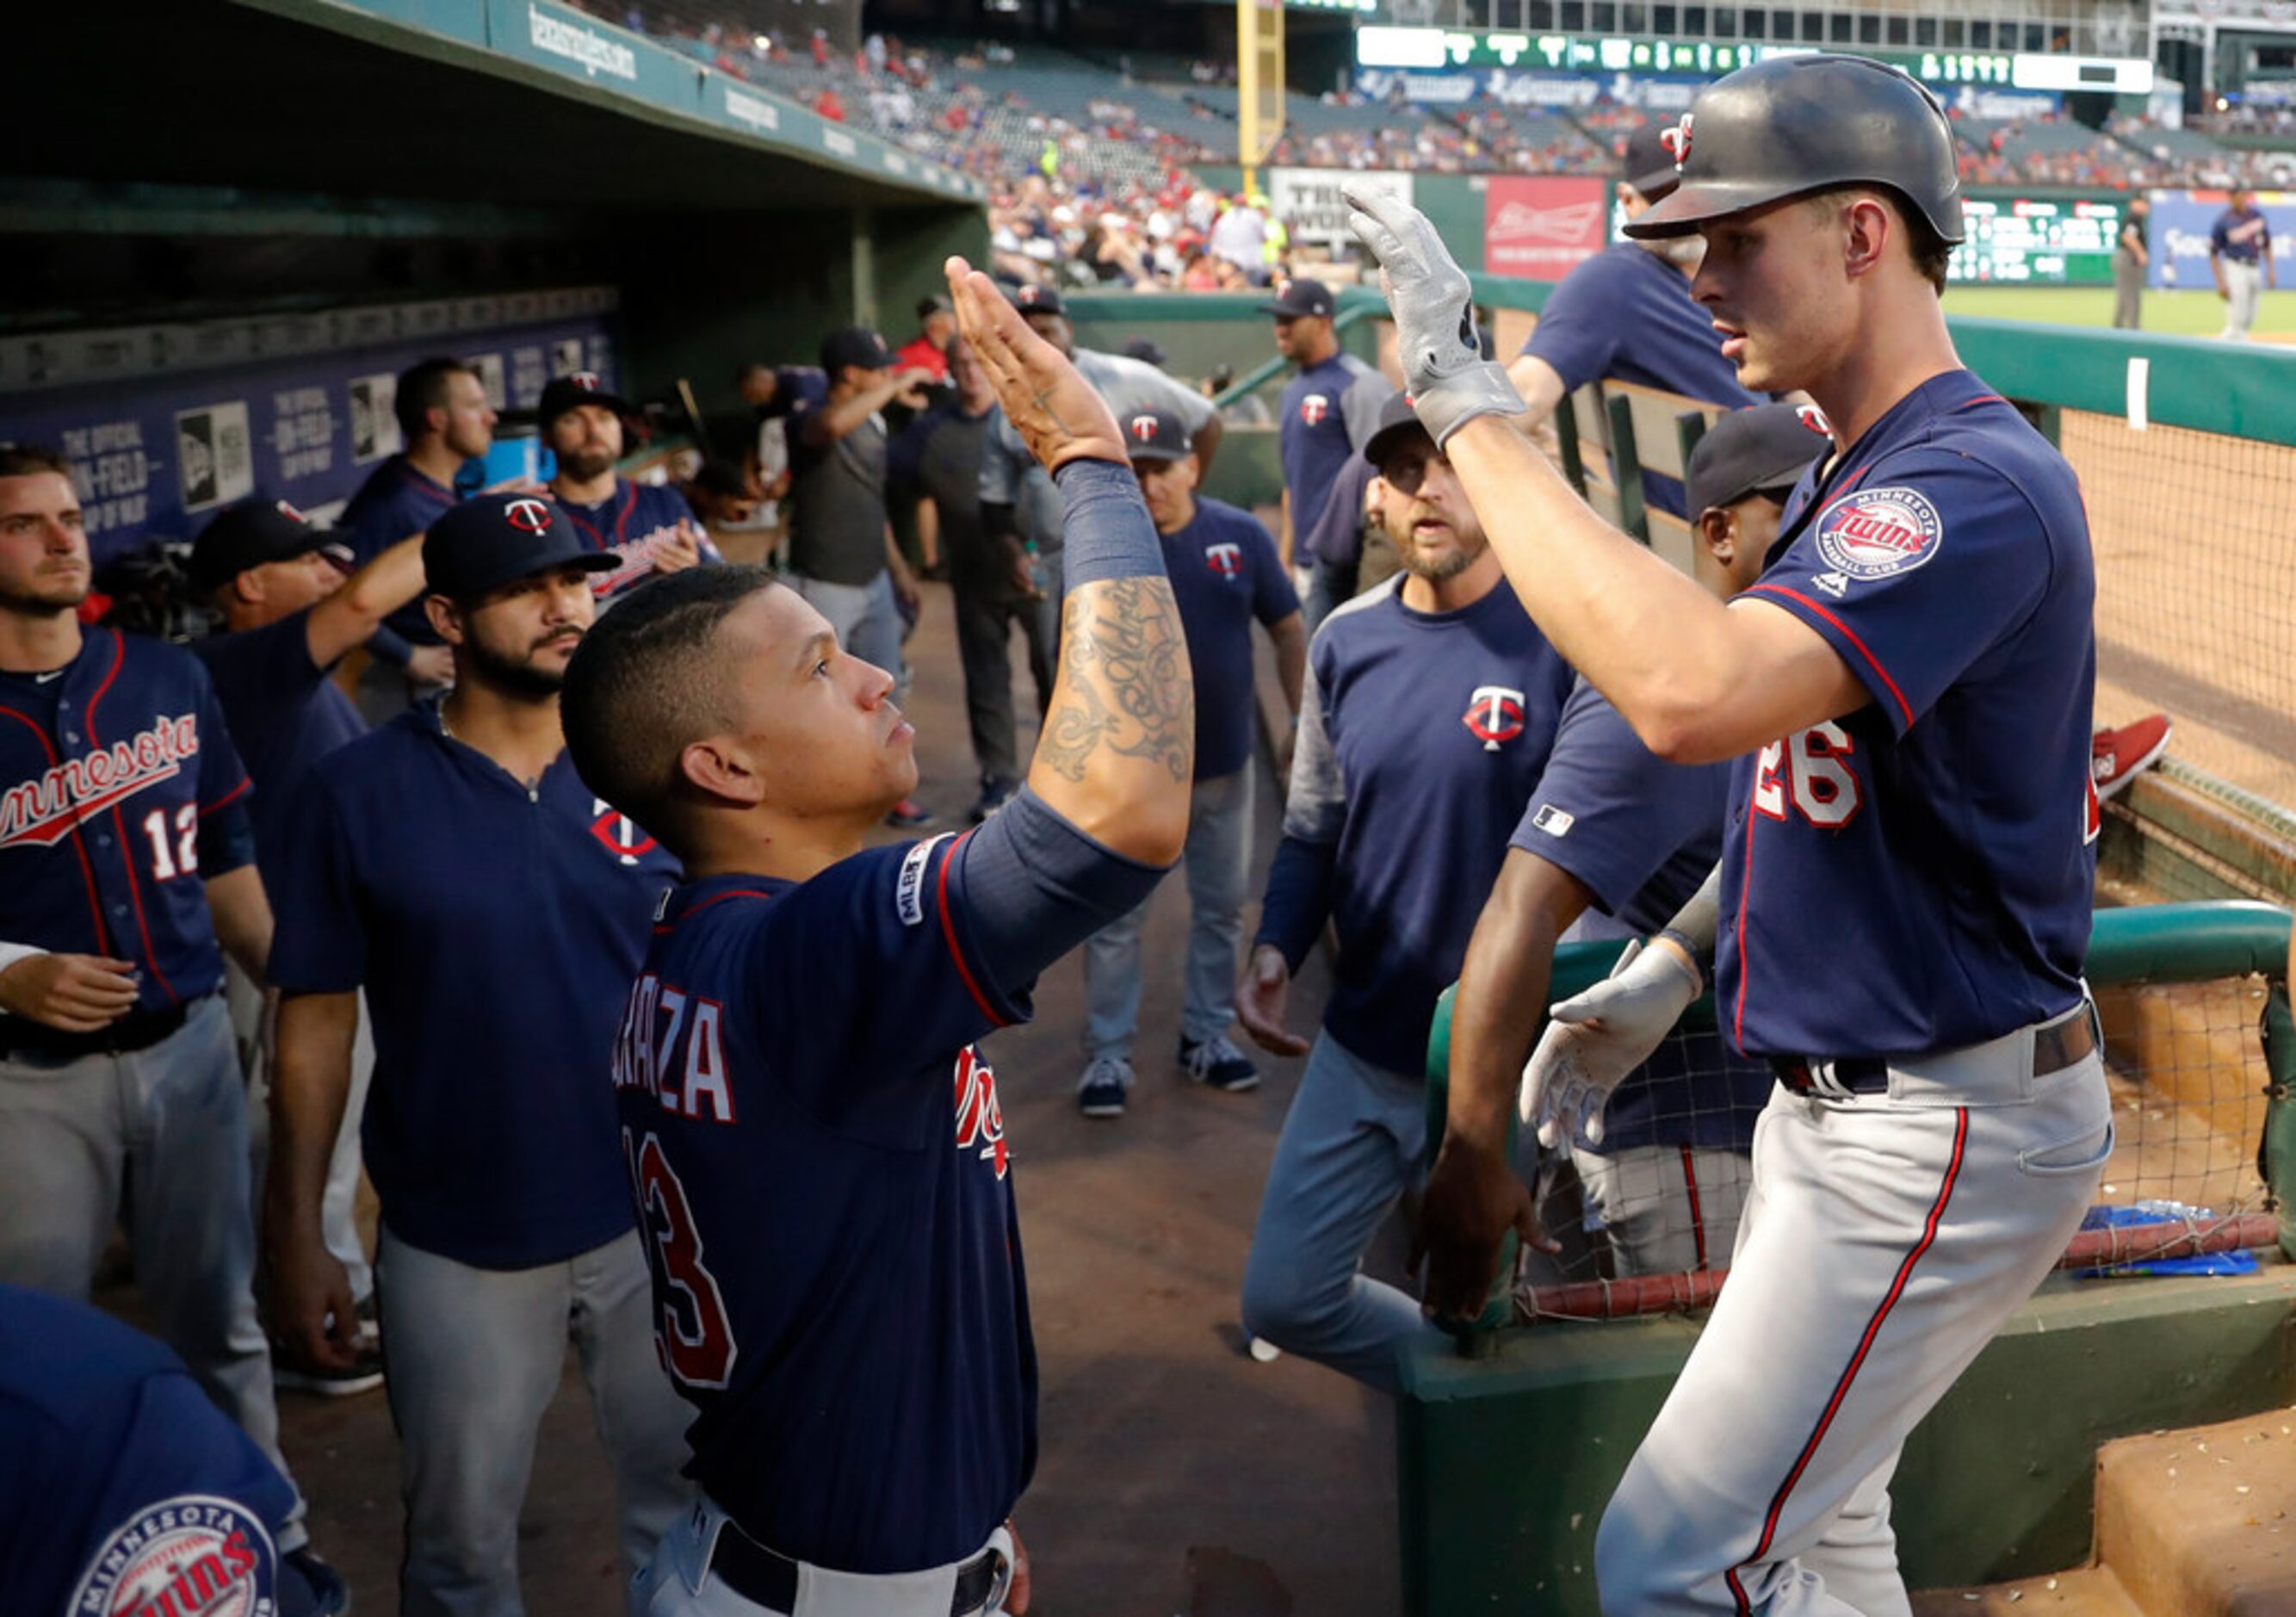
(312, 95)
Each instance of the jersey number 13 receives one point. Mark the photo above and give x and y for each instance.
(691, 1332)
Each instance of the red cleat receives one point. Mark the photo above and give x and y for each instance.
(2116, 757)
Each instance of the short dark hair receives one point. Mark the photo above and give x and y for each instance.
(721, 479)
(422, 390)
(647, 682)
(29, 460)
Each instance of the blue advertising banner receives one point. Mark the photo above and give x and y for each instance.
(2181, 223)
(154, 456)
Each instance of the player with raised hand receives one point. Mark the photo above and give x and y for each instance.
(1904, 898)
(813, 1137)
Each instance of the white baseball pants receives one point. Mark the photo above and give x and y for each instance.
(1886, 1239)
(678, 1583)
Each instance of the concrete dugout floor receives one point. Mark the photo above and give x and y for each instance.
(1177, 1476)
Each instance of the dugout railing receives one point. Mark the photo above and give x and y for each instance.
(1507, 1453)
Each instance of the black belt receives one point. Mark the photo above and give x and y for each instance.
(24, 1039)
(765, 1578)
(2055, 1047)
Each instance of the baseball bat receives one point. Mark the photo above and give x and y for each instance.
(693, 420)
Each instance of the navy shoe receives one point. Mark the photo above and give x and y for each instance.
(1102, 1093)
(1217, 1064)
(310, 1587)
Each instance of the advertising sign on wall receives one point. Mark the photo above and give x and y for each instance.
(1309, 201)
(1540, 227)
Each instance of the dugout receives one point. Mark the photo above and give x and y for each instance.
(222, 216)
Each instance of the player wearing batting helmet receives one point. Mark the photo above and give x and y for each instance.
(1899, 921)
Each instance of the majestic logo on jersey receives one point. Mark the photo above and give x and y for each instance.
(528, 516)
(1495, 715)
(1314, 409)
(194, 1556)
(1224, 558)
(979, 1120)
(621, 834)
(1677, 141)
(1877, 532)
(39, 812)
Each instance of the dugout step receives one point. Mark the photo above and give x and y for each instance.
(2196, 1522)
(2088, 1591)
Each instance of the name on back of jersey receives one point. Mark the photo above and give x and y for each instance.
(672, 1045)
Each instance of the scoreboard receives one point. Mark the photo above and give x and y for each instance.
(2019, 238)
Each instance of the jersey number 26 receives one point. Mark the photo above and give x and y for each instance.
(1812, 771)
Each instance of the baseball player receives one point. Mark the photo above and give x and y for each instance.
(1430, 704)
(2240, 257)
(648, 529)
(125, 1489)
(812, 1134)
(2132, 256)
(454, 866)
(1626, 314)
(1903, 904)
(444, 420)
(1613, 828)
(1329, 407)
(290, 615)
(127, 869)
(1226, 576)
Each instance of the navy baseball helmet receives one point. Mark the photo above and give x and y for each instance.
(1797, 125)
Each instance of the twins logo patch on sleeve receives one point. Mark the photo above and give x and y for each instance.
(195, 1556)
(1877, 532)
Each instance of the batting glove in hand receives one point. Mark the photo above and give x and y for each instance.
(1595, 1038)
(1444, 370)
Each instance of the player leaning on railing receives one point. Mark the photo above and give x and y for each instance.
(1904, 897)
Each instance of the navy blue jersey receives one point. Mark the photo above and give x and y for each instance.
(2241, 238)
(495, 934)
(634, 521)
(120, 797)
(1226, 575)
(1421, 737)
(1918, 875)
(396, 502)
(1330, 409)
(1640, 835)
(798, 1085)
(124, 1488)
(284, 712)
(1625, 315)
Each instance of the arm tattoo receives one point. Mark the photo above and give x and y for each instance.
(1126, 680)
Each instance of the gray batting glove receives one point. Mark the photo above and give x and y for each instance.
(1594, 1040)
(1444, 370)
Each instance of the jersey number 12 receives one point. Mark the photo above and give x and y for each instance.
(184, 858)
(691, 1330)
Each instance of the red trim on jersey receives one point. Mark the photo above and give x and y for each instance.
(1982, 399)
(1697, 1217)
(948, 931)
(79, 846)
(229, 798)
(1857, 1358)
(119, 825)
(597, 536)
(739, 893)
(1848, 634)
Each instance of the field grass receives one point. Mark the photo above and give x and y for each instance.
(2179, 314)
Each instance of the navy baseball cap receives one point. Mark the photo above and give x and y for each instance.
(1034, 299)
(1647, 165)
(1147, 350)
(1397, 421)
(1301, 297)
(1156, 436)
(493, 539)
(1762, 449)
(248, 535)
(854, 345)
(573, 390)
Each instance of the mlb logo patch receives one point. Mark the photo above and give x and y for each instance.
(1554, 821)
(1875, 533)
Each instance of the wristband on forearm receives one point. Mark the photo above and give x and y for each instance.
(1109, 535)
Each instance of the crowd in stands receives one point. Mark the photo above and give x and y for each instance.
(1092, 168)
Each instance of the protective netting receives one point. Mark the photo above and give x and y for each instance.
(2195, 542)
(2189, 1084)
